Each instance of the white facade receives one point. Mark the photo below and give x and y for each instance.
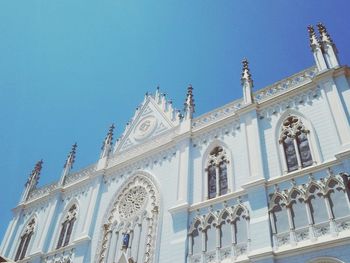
(261, 179)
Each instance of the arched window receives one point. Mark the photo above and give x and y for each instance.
(294, 139)
(67, 227)
(130, 231)
(217, 172)
(25, 240)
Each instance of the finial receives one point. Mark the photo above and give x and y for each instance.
(325, 37)
(71, 156)
(34, 175)
(247, 82)
(109, 137)
(314, 42)
(246, 76)
(189, 103)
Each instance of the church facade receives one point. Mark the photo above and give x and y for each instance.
(262, 179)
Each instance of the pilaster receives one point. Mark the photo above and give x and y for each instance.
(260, 231)
(338, 114)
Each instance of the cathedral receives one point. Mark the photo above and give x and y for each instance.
(262, 179)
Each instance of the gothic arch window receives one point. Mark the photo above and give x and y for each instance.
(67, 227)
(338, 199)
(219, 233)
(130, 231)
(25, 240)
(294, 140)
(216, 168)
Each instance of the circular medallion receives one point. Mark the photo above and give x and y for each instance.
(132, 202)
(145, 127)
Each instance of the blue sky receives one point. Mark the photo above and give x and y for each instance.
(69, 68)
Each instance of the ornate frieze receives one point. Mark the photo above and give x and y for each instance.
(282, 86)
(304, 98)
(204, 139)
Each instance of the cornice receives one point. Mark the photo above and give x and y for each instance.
(216, 200)
(303, 172)
(311, 246)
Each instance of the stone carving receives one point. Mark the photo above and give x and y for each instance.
(137, 203)
(132, 202)
(286, 84)
(145, 128)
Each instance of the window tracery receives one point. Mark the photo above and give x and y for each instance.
(294, 139)
(307, 211)
(220, 234)
(25, 240)
(130, 231)
(216, 169)
(67, 227)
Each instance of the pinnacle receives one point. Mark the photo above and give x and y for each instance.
(71, 156)
(325, 37)
(246, 76)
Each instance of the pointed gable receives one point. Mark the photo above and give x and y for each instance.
(154, 117)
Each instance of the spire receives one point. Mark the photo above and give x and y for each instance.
(35, 174)
(314, 41)
(71, 157)
(33, 180)
(328, 46)
(316, 49)
(325, 37)
(68, 165)
(189, 103)
(108, 142)
(247, 83)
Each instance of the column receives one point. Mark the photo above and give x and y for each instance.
(311, 223)
(292, 236)
(217, 180)
(332, 225)
(138, 240)
(297, 152)
(218, 238)
(203, 244)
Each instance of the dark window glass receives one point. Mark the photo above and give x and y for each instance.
(25, 247)
(291, 157)
(69, 231)
(62, 234)
(223, 178)
(211, 181)
(19, 250)
(304, 150)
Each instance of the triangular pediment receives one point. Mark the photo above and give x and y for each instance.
(154, 117)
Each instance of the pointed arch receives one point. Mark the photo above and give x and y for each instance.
(293, 193)
(274, 200)
(210, 219)
(217, 170)
(26, 236)
(66, 224)
(225, 215)
(134, 212)
(297, 144)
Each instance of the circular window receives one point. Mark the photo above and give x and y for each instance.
(132, 202)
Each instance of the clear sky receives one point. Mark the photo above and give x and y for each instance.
(69, 68)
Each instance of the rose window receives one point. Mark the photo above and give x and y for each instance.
(132, 202)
